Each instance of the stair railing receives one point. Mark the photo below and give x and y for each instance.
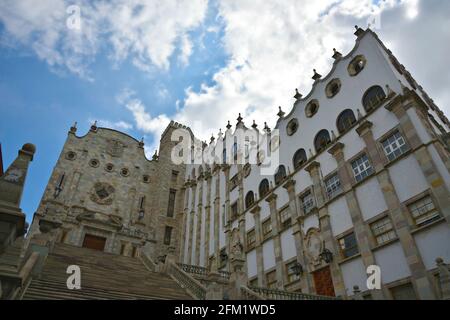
(194, 287)
(148, 262)
(249, 294)
(274, 294)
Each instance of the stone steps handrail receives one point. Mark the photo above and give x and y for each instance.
(274, 294)
(194, 288)
(148, 262)
(189, 268)
(248, 294)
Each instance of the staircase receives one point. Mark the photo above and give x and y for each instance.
(103, 276)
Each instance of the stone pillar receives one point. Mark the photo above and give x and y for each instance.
(183, 225)
(423, 157)
(361, 229)
(208, 218)
(258, 246)
(325, 229)
(399, 216)
(216, 220)
(238, 278)
(214, 289)
(444, 278)
(306, 282)
(191, 243)
(272, 200)
(199, 221)
(227, 210)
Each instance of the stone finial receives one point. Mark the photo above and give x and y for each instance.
(311, 154)
(155, 155)
(390, 92)
(73, 129)
(333, 135)
(254, 125)
(298, 95)
(404, 88)
(239, 118)
(316, 76)
(229, 125)
(211, 140)
(358, 31)
(94, 126)
(220, 134)
(359, 114)
(141, 143)
(266, 127)
(337, 55)
(280, 112)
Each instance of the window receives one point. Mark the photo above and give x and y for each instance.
(292, 127)
(234, 211)
(285, 218)
(251, 239)
(267, 228)
(174, 176)
(263, 188)
(356, 65)
(235, 151)
(394, 146)
(290, 274)
(71, 155)
(223, 258)
(234, 182)
(383, 230)
(373, 97)
(171, 205)
(94, 163)
(311, 108)
(109, 167)
(167, 235)
(299, 158)
(125, 172)
(423, 211)
(271, 279)
(348, 245)
(224, 156)
(362, 168)
(333, 88)
(146, 179)
(333, 186)
(249, 199)
(322, 140)
(345, 121)
(307, 202)
(403, 292)
(280, 175)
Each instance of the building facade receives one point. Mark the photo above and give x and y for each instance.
(363, 181)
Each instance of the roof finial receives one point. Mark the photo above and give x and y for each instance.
(316, 76)
(358, 31)
(266, 127)
(337, 55)
(155, 156)
(298, 95)
(229, 125)
(254, 125)
(94, 126)
(73, 128)
(239, 118)
(280, 112)
(141, 143)
(212, 138)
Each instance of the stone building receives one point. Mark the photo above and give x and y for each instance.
(361, 185)
(363, 180)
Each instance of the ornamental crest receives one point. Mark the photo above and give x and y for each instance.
(102, 193)
(314, 245)
(115, 148)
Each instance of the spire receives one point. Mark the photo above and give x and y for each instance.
(358, 31)
(239, 119)
(211, 140)
(73, 129)
(337, 55)
(316, 76)
(229, 125)
(220, 134)
(298, 95)
(280, 112)
(266, 127)
(254, 125)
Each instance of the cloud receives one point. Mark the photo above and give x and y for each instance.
(118, 125)
(145, 31)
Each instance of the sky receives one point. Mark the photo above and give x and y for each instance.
(134, 65)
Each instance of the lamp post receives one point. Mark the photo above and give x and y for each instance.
(297, 269)
(326, 255)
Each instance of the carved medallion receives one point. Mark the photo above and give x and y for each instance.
(102, 193)
(13, 175)
(314, 245)
(115, 148)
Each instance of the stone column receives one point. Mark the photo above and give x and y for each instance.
(227, 210)
(272, 200)
(423, 157)
(399, 216)
(199, 220)
(216, 220)
(208, 218)
(361, 229)
(306, 282)
(191, 223)
(184, 224)
(325, 229)
(258, 246)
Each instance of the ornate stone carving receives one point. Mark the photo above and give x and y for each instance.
(314, 245)
(102, 193)
(237, 249)
(115, 148)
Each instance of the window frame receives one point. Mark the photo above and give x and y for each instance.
(390, 232)
(367, 172)
(403, 148)
(343, 250)
(331, 194)
(432, 218)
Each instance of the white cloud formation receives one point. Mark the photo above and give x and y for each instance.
(118, 125)
(146, 31)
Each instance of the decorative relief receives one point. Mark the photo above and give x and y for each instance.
(14, 175)
(314, 245)
(102, 193)
(115, 148)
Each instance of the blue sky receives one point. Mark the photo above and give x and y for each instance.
(197, 62)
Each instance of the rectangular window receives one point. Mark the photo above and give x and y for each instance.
(394, 146)
(403, 292)
(267, 228)
(383, 230)
(348, 245)
(424, 211)
(333, 186)
(171, 205)
(167, 235)
(251, 239)
(271, 279)
(290, 274)
(362, 168)
(174, 176)
(285, 218)
(234, 211)
(307, 202)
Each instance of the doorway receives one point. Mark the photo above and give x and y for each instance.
(323, 282)
(94, 242)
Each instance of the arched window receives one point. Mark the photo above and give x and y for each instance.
(193, 174)
(373, 97)
(280, 174)
(224, 156)
(299, 158)
(345, 120)
(249, 199)
(322, 140)
(263, 188)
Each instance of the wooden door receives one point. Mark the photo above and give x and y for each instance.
(94, 242)
(323, 282)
